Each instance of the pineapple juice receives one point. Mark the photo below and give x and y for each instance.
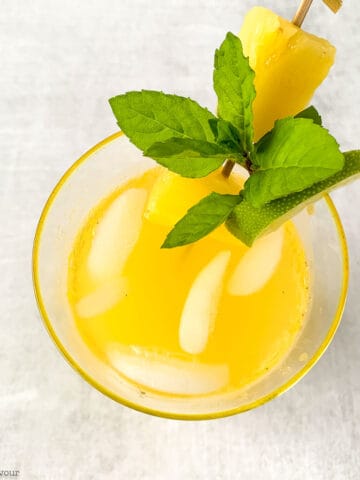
(209, 317)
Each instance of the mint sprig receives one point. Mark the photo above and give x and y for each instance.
(290, 166)
(234, 86)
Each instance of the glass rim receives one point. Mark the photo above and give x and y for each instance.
(159, 413)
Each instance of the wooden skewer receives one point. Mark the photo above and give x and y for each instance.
(301, 12)
(227, 168)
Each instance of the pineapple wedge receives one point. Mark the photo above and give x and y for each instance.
(289, 65)
(173, 195)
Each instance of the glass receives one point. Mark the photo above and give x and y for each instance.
(99, 172)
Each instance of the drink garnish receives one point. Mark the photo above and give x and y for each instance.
(289, 167)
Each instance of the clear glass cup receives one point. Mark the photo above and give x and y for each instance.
(99, 172)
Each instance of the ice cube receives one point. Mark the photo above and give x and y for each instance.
(102, 299)
(117, 234)
(258, 264)
(165, 374)
(200, 309)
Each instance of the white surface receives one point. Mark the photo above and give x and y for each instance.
(60, 61)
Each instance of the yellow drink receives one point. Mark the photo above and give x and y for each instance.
(132, 306)
(183, 333)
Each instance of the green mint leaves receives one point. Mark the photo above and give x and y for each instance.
(175, 131)
(226, 135)
(147, 117)
(311, 113)
(290, 166)
(234, 86)
(203, 218)
(188, 157)
(296, 154)
(248, 223)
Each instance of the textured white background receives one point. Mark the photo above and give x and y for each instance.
(59, 62)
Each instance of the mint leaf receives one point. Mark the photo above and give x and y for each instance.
(226, 135)
(147, 117)
(201, 219)
(310, 113)
(188, 157)
(234, 86)
(296, 154)
(248, 223)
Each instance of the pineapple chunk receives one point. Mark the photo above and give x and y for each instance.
(289, 65)
(173, 195)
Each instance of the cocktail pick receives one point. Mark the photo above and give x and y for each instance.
(304, 6)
